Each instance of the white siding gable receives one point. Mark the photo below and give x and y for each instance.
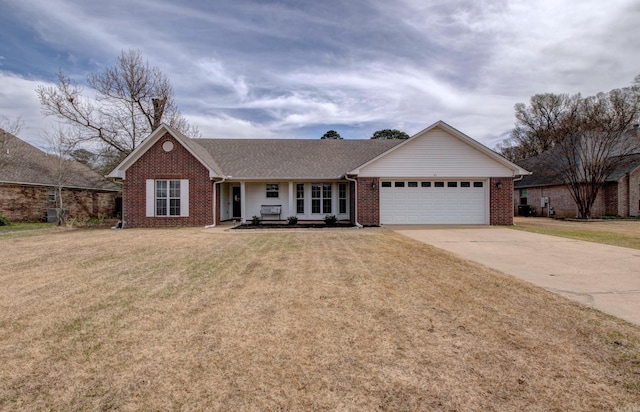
(436, 153)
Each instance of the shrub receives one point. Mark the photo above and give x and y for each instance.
(255, 220)
(330, 220)
(4, 221)
(292, 220)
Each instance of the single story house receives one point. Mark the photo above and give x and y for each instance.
(543, 193)
(438, 176)
(30, 178)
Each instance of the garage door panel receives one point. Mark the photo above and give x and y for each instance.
(433, 205)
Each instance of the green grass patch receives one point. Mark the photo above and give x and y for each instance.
(585, 233)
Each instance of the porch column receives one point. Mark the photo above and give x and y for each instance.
(292, 200)
(243, 203)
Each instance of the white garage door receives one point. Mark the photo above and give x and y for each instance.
(433, 202)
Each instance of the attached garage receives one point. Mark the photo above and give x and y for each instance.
(438, 176)
(433, 201)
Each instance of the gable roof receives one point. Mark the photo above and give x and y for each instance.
(309, 159)
(24, 164)
(255, 159)
(543, 165)
(455, 133)
(544, 174)
(197, 151)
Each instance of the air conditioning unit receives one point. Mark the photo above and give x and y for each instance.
(53, 214)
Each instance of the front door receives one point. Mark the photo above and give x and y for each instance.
(237, 210)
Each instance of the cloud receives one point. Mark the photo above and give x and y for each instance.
(18, 99)
(247, 68)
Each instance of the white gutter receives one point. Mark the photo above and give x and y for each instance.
(215, 209)
(358, 225)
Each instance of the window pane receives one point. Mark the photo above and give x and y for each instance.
(343, 205)
(174, 207)
(161, 207)
(452, 184)
(477, 184)
(300, 206)
(386, 184)
(426, 184)
(272, 189)
(342, 190)
(161, 188)
(174, 188)
(315, 206)
(326, 190)
(326, 206)
(413, 184)
(399, 184)
(315, 191)
(439, 184)
(465, 184)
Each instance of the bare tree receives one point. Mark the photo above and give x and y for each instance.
(61, 146)
(585, 139)
(131, 99)
(536, 125)
(8, 127)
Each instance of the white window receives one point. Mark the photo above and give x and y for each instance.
(342, 197)
(321, 198)
(167, 198)
(273, 190)
(52, 195)
(300, 198)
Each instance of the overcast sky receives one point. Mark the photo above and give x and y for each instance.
(291, 68)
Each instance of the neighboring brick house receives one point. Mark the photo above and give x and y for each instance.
(545, 195)
(438, 176)
(29, 180)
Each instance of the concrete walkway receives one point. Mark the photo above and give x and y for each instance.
(602, 276)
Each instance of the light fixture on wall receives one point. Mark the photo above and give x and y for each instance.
(373, 184)
(499, 184)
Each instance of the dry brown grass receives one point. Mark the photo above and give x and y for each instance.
(191, 319)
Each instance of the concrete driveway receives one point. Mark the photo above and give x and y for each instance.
(602, 276)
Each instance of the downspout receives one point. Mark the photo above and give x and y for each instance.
(355, 193)
(215, 198)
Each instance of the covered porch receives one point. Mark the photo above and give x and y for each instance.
(306, 200)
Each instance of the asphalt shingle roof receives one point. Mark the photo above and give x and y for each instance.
(292, 158)
(25, 164)
(543, 174)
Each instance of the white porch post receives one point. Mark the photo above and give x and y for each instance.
(292, 200)
(243, 203)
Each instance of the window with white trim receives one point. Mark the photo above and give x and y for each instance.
(300, 198)
(321, 198)
(273, 190)
(342, 198)
(167, 198)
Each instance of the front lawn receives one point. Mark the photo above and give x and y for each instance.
(196, 319)
(616, 232)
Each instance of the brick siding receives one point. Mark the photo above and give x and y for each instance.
(500, 201)
(368, 201)
(155, 163)
(21, 203)
(621, 199)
